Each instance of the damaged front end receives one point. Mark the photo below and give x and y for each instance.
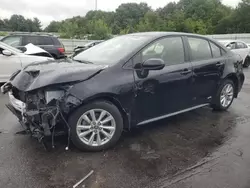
(42, 112)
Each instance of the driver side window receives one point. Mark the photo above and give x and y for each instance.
(232, 45)
(14, 41)
(169, 49)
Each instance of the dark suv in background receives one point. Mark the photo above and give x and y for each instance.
(47, 42)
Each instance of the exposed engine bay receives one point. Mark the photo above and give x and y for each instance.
(42, 112)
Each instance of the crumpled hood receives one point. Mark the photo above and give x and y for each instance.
(38, 75)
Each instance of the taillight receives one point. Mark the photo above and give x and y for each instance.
(61, 50)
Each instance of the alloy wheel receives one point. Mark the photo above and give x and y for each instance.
(226, 96)
(96, 127)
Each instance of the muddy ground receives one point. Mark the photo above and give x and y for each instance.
(195, 149)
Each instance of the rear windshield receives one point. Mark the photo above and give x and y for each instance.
(56, 41)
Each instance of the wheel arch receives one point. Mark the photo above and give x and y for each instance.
(112, 98)
(235, 79)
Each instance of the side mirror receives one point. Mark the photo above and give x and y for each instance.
(153, 64)
(6, 52)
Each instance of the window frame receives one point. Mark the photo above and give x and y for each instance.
(185, 50)
(221, 54)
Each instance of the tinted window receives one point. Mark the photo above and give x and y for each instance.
(169, 49)
(241, 45)
(38, 40)
(43, 40)
(216, 51)
(200, 49)
(31, 39)
(56, 41)
(13, 40)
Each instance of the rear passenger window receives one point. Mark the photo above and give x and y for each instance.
(30, 39)
(216, 51)
(38, 40)
(200, 49)
(241, 45)
(45, 41)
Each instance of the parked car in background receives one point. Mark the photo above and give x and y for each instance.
(12, 59)
(127, 81)
(47, 42)
(240, 48)
(88, 45)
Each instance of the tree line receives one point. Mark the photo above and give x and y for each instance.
(193, 16)
(19, 23)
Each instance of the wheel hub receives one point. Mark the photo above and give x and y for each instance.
(96, 127)
(226, 95)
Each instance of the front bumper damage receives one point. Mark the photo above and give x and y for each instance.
(42, 113)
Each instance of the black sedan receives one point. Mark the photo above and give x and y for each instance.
(124, 82)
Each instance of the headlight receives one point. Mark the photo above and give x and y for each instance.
(50, 95)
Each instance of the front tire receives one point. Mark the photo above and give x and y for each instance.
(224, 96)
(96, 126)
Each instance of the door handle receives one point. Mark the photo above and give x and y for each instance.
(219, 64)
(186, 71)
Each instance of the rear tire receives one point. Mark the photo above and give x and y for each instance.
(224, 96)
(103, 133)
(246, 62)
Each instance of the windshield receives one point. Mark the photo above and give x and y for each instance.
(7, 47)
(111, 51)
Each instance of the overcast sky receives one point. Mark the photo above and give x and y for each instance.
(48, 10)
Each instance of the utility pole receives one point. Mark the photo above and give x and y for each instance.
(95, 4)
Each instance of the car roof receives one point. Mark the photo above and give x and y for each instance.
(31, 34)
(162, 34)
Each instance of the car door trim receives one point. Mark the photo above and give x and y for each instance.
(172, 114)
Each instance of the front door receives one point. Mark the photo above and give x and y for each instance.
(208, 65)
(160, 92)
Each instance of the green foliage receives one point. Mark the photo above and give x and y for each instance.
(2, 33)
(193, 16)
(99, 30)
(19, 23)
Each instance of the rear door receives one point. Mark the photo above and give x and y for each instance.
(161, 92)
(208, 64)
